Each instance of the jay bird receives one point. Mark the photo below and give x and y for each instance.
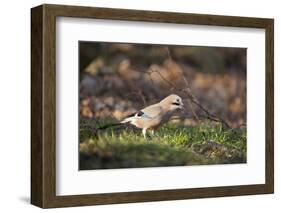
(155, 115)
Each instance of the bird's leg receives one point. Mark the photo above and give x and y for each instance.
(144, 132)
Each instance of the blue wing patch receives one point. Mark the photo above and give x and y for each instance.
(140, 113)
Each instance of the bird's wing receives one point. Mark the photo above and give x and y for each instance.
(150, 111)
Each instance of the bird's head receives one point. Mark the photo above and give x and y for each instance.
(173, 101)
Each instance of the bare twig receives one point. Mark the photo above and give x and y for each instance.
(139, 93)
(186, 82)
(192, 110)
(190, 96)
(194, 100)
(209, 115)
(173, 86)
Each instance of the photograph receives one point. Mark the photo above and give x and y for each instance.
(151, 105)
(136, 105)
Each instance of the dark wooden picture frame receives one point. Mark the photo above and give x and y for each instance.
(43, 105)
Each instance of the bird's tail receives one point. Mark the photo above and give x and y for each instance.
(129, 119)
(109, 125)
(126, 120)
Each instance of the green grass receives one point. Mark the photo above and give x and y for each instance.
(172, 145)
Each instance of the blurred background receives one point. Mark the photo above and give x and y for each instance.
(118, 79)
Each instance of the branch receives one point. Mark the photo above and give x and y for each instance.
(193, 99)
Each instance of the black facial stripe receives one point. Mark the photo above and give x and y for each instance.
(175, 103)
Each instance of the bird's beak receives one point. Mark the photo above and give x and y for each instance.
(181, 106)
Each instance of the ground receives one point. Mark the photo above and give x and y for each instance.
(172, 145)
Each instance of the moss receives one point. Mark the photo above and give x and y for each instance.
(173, 145)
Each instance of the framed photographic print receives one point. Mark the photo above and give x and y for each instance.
(136, 106)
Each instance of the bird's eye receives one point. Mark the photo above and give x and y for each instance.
(178, 100)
